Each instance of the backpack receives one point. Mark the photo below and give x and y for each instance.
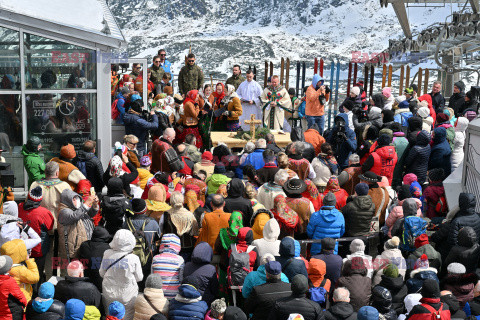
(238, 267)
(81, 165)
(115, 112)
(319, 294)
(301, 109)
(434, 314)
(413, 227)
(141, 248)
(470, 115)
(441, 207)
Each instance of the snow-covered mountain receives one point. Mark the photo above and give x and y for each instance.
(248, 32)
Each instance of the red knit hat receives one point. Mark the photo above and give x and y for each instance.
(68, 151)
(421, 240)
(422, 263)
(36, 194)
(207, 155)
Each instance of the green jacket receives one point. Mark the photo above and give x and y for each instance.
(190, 78)
(235, 81)
(34, 165)
(157, 74)
(214, 181)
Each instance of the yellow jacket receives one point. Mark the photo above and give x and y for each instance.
(143, 175)
(24, 275)
(261, 219)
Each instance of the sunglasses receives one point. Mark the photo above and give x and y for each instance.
(157, 61)
(191, 60)
(163, 55)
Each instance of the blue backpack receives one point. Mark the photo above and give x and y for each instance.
(319, 294)
(301, 109)
(402, 118)
(82, 167)
(413, 227)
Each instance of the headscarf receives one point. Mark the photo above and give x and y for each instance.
(228, 236)
(219, 97)
(183, 219)
(83, 188)
(230, 94)
(222, 189)
(191, 200)
(330, 161)
(332, 185)
(116, 165)
(156, 199)
(312, 194)
(245, 236)
(284, 214)
(191, 96)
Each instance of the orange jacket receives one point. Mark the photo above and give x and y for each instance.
(211, 225)
(313, 106)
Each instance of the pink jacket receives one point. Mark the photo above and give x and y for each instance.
(397, 213)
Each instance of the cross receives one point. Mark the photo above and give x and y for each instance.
(252, 122)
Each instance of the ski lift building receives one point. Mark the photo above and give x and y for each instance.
(55, 77)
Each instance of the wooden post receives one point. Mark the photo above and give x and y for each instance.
(407, 77)
(282, 67)
(287, 73)
(400, 89)
(265, 76)
(425, 87)
(420, 74)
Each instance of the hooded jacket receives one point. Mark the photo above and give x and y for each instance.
(12, 299)
(418, 277)
(342, 148)
(236, 202)
(144, 310)
(461, 286)
(415, 125)
(384, 160)
(398, 290)
(459, 142)
(120, 280)
(417, 159)
(356, 281)
(328, 222)
(34, 165)
(441, 152)
(269, 243)
(78, 288)
(256, 278)
(396, 213)
(93, 168)
(393, 256)
(200, 267)
(465, 217)
(317, 270)
(114, 206)
(214, 181)
(434, 257)
(358, 215)
(466, 251)
(24, 270)
(341, 311)
(92, 251)
(290, 266)
(45, 311)
(74, 310)
(187, 304)
(313, 105)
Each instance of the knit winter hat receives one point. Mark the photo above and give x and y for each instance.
(328, 244)
(367, 313)
(436, 174)
(234, 313)
(442, 117)
(355, 91)
(5, 264)
(330, 200)
(430, 289)
(421, 240)
(154, 280)
(421, 263)
(295, 316)
(456, 268)
(219, 168)
(362, 189)
(384, 140)
(10, 208)
(218, 307)
(139, 206)
(349, 105)
(116, 309)
(145, 161)
(207, 155)
(423, 112)
(387, 92)
(68, 151)
(36, 194)
(392, 243)
(391, 271)
(357, 245)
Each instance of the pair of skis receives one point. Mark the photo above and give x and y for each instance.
(284, 72)
(316, 69)
(301, 71)
(369, 78)
(423, 74)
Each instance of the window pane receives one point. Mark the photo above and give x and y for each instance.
(11, 135)
(58, 119)
(52, 64)
(9, 59)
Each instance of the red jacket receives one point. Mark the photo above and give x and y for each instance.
(41, 220)
(12, 299)
(384, 161)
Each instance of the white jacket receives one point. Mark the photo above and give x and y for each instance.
(120, 281)
(459, 142)
(322, 172)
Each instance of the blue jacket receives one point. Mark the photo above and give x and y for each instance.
(120, 107)
(256, 278)
(200, 266)
(441, 152)
(290, 265)
(342, 148)
(316, 78)
(417, 158)
(186, 305)
(136, 125)
(166, 67)
(255, 159)
(334, 264)
(417, 277)
(328, 222)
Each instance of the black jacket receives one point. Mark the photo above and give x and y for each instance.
(55, 312)
(92, 251)
(334, 264)
(456, 102)
(113, 211)
(438, 102)
(274, 147)
(78, 288)
(466, 252)
(236, 202)
(290, 266)
(341, 311)
(418, 156)
(398, 289)
(94, 169)
(415, 124)
(358, 215)
(263, 297)
(126, 178)
(267, 173)
(456, 310)
(466, 217)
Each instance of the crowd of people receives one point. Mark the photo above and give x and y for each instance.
(347, 223)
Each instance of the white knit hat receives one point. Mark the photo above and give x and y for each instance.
(355, 91)
(357, 245)
(456, 268)
(424, 112)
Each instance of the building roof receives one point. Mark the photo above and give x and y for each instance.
(85, 20)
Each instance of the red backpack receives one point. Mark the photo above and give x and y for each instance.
(441, 206)
(115, 112)
(439, 314)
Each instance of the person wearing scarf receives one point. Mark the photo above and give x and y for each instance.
(189, 119)
(84, 189)
(312, 194)
(44, 306)
(287, 218)
(233, 107)
(227, 237)
(122, 169)
(215, 101)
(181, 222)
(340, 194)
